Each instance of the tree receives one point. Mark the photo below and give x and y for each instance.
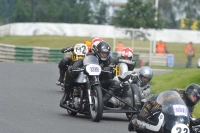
(175, 10)
(136, 14)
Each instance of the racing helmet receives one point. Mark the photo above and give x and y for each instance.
(145, 74)
(89, 44)
(192, 94)
(103, 51)
(94, 43)
(127, 54)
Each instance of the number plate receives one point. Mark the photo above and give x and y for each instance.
(80, 49)
(180, 110)
(180, 128)
(93, 69)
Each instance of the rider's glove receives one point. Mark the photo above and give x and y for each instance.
(68, 49)
(124, 79)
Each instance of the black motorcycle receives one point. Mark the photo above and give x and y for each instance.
(125, 99)
(86, 95)
(172, 117)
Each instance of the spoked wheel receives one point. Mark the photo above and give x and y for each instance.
(129, 116)
(96, 108)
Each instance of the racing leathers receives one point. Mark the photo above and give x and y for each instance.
(194, 122)
(64, 64)
(151, 106)
(105, 78)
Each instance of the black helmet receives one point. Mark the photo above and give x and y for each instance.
(103, 50)
(145, 74)
(192, 94)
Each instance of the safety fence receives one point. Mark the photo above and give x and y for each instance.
(12, 53)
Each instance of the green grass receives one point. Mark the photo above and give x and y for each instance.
(178, 78)
(62, 41)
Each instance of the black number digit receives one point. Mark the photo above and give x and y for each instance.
(78, 49)
(84, 49)
(185, 130)
(178, 129)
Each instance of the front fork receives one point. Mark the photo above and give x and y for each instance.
(88, 86)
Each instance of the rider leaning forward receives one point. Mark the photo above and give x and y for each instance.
(66, 62)
(190, 96)
(102, 52)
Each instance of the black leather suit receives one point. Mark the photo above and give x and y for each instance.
(106, 79)
(65, 62)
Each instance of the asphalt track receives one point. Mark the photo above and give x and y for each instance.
(29, 103)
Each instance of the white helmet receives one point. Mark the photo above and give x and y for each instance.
(127, 54)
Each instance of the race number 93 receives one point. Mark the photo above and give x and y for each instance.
(180, 128)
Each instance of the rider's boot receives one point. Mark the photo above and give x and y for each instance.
(107, 97)
(65, 97)
(60, 80)
(133, 124)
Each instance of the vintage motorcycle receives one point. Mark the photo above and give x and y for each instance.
(125, 99)
(172, 117)
(86, 95)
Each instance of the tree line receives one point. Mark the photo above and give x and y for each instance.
(134, 14)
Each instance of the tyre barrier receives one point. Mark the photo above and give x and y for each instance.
(12, 53)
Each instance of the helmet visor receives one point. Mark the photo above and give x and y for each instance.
(126, 57)
(144, 79)
(194, 98)
(104, 54)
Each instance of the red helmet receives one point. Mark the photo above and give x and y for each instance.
(127, 53)
(95, 42)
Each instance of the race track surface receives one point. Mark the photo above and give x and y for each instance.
(29, 103)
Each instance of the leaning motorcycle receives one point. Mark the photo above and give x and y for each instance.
(125, 99)
(86, 95)
(172, 117)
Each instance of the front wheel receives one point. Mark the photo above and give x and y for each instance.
(96, 108)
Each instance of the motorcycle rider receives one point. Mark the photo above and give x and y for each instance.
(142, 79)
(102, 51)
(190, 96)
(127, 57)
(66, 62)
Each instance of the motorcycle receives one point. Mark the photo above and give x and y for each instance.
(125, 99)
(86, 95)
(173, 117)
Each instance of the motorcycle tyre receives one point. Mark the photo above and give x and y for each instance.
(96, 115)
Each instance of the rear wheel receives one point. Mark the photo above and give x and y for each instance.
(96, 108)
